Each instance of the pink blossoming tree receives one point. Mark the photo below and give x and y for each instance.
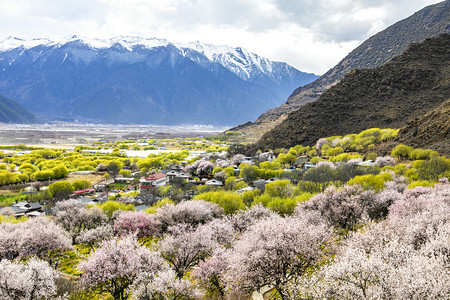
(115, 264)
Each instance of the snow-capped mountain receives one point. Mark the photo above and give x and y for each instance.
(142, 80)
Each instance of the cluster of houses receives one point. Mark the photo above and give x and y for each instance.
(147, 185)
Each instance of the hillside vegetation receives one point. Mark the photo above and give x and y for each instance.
(301, 234)
(389, 96)
(431, 21)
(431, 130)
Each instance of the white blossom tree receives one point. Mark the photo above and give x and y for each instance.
(35, 236)
(275, 251)
(139, 223)
(190, 212)
(34, 279)
(185, 247)
(163, 285)
(406, 256)
(115, 264)
(78, 219)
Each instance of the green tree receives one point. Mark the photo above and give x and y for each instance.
(249, 173)
(401, 151)
(229, 201)
(434, 168)
(81, 184)
(60, 190)
(279, 188)
(113, 168)
(109, 207)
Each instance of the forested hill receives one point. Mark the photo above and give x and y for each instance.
(390, 96)
(431, 21)
(12, 112)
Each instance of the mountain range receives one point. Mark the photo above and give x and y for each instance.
(12, 112)
(138, 80)
(431, 21)
(412, 90)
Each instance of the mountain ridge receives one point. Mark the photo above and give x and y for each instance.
(79, 79)
(374, 52)
(12, 112)
(390, 96)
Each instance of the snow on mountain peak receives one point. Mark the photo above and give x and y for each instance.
(237, 60)
(11, 43)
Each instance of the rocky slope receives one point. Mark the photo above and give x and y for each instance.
(374, 52)
(12, 112)
(390, 96)
(431, 131)
(137, 80)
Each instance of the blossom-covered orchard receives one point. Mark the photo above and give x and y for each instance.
(342, 243)
(319, 222)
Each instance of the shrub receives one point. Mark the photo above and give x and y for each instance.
(401, 151)
(230, 202)
(369, 181)
(109, 207)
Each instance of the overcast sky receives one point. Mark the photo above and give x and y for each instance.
(311, 35)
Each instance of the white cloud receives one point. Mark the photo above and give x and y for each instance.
(312, 35)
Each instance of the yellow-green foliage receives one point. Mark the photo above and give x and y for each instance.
(279, 188)
(230, 183)
(420, 183)
(152, 209)
(431, 169)
(12, 219)
(81, 185)
(266, 165)
(288, 158)
(300, 150)
(233, 133)
(357, 142)
(216, 170)
(344, 157)
(249, 172)
(229, 171)
(229, 201)
(125, 173)
(60, 188)
(434, 168)
(268, 173)
(316, 159)
(109, 207)
(332, 151)
(370, 181)
(399, 169)
(249, 196)
(312, 153)
(240, 185)
(401, 151)
(283, 206)
(422, 154)
(314, 187)
(371, 156)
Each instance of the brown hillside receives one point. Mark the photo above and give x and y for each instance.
(374, 52)
(431, 131)
(390, 96)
